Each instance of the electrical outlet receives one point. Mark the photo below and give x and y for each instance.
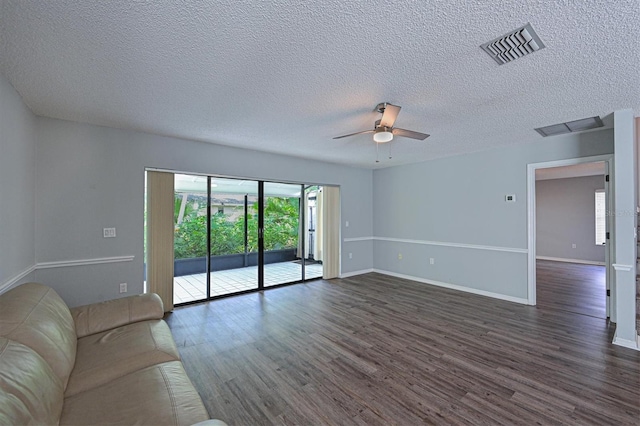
(109, 232)
(123, 287)
(432, 261)
(399, 256)
(350, 255)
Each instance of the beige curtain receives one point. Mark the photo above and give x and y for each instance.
(160, 228)
(317, 243)
(330, 232)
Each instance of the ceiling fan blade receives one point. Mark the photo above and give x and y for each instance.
(389, 116)
(409, 134)
(353, 134)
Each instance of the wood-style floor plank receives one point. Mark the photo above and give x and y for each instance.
(571, 287)
(379, 350)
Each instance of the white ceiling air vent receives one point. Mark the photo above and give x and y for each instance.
(513, 45)
(571, 126)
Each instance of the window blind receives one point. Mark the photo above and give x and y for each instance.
(160, 229)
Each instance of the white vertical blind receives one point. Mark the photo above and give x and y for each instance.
(331, 232)
(601, 218)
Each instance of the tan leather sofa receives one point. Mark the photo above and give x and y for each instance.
(111, 363)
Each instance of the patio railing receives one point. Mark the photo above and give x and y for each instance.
(198, 265)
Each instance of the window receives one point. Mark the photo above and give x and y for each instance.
(601, 218)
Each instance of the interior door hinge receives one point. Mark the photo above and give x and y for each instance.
(607, 235)
(606, 178)
(608, 293)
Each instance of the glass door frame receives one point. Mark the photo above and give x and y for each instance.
(208, 262)
(261, 198)
(260, 235)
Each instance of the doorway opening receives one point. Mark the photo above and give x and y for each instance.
(569, 244)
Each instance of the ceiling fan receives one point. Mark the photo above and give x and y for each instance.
(383, 130)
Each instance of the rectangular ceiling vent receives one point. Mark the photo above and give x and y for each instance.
(513, 45)
(571, 126)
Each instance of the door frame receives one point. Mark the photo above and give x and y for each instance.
(531, 224)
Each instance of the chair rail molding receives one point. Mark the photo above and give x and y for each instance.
(83, 262)
(622, 267)
(8, 283)
(458, 245)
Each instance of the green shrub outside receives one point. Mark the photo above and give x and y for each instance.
(280, 229)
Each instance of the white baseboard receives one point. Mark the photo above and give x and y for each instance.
(354, 273)
(456, 287)
(562, 259)
(627, 343)
(7, 284)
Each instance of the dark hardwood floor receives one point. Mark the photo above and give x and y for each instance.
(571, 287)
(378, 350)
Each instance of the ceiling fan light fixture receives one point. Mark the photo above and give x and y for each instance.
(383, 135)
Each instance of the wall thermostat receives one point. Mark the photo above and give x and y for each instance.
(510, 198)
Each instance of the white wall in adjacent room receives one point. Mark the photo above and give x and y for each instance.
(565, 215)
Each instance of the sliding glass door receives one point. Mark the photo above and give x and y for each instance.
(233, 266)
(233, 235)
(190, 238)
(313, 232)
(281, 233)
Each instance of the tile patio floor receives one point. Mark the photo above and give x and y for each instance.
(194, 287)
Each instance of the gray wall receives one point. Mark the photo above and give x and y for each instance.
(565, 215)
(92, 177)
(450, 203)
(17, 187)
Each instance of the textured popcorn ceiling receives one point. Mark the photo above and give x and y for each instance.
(286, 76)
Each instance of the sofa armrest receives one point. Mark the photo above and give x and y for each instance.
(99, 317)
(210, 423)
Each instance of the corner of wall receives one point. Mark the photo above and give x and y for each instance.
(17, 184)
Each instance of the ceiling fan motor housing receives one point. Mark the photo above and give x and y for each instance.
(382, 134)
(380, 107)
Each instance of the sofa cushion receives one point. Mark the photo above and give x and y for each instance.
(30, 392)
(34, 315)
(158, 395)
(105, 356)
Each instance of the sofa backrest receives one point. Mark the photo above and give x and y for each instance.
(34, 315)
(30, 392)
